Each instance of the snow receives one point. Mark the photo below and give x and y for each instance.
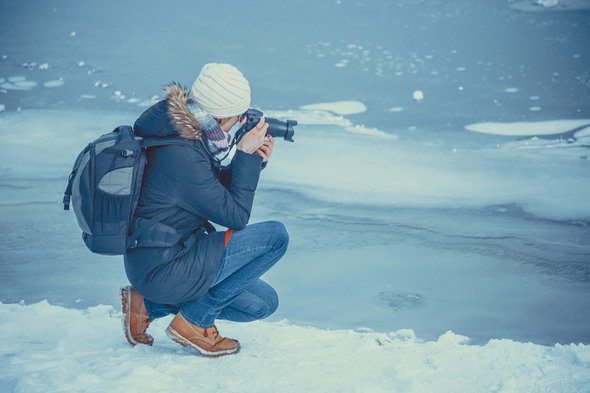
(550, 127)
(418, 95)
(50, 348)
(54, 83)
(339, 107)
(549, 5)
(18, 83)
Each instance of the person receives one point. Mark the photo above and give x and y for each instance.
(181, 265)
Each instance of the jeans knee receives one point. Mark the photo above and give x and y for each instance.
(265, 306)
(280, 236)
(273, 303)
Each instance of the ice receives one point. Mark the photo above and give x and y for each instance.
(18, 78)
(583, 133)
(308, 116)
(2, 107)
(396, 109)
(55, 356)
(101, 84)
(340, 107)
(44, 67)
(54, 83)
(548, 3)
(550, 127)
(511, 90)
(18, 83)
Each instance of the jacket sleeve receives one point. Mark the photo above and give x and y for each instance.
(204, 194)
(225, 175)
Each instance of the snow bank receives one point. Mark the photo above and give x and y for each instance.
(551, 127)
(50, 348)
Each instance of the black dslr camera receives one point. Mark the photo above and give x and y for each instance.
(276, 128)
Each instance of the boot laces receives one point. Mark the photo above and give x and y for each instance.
(213, 330)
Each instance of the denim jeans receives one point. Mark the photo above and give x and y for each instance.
(238, 294)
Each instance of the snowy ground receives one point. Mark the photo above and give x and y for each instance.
(276, 357)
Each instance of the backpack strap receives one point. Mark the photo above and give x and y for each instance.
(132, 241)
(152, 142)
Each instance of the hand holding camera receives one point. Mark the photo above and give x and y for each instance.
(254, 138)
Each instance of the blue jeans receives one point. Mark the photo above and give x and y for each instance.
(238, 294)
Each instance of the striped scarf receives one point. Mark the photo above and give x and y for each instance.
(217, 141)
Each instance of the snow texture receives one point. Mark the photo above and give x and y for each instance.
(46, 348)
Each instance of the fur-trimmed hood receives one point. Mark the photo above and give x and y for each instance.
(169, 117)
(184, 122)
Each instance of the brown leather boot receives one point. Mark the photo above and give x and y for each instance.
(207, 342)
(135, 318)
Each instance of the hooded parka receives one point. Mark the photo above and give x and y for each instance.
(176, 261)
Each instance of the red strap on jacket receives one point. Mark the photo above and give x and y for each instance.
(228, 234)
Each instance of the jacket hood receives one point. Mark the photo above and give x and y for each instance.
(169, 117)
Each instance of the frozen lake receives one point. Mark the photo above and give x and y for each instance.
(399, 215)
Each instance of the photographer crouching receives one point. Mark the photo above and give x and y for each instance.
(180, 264)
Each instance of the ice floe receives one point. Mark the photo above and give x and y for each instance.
(18, 83)
(549, 5)
(54, 83)
(550, 127)
(338, 107)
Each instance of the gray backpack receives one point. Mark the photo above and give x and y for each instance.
(104, 188)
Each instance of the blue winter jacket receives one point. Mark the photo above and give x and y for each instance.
(177, 261)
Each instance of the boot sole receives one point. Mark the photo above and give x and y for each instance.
(126, 306)
(174, 336)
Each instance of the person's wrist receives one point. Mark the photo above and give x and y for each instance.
(248, 151)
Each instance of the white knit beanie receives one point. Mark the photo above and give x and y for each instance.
(221, 90)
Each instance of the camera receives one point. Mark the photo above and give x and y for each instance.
(276, 128)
